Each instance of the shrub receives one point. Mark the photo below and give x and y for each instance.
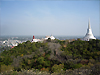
(6, 68)
(91, 61)
(17, 69)
(57, 68)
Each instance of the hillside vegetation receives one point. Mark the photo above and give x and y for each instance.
(52, 57)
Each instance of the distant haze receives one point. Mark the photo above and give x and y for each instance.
(68, 18)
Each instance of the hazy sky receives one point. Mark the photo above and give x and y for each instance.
(69, 18)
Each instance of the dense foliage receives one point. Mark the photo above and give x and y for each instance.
(2, 48)
(83, 49)
(52, 56)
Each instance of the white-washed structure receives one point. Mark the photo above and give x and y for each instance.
(89, 34)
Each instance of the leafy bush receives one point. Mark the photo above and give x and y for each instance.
(6, 68)
(57, 68)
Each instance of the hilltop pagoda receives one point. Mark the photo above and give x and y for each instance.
(89, 34)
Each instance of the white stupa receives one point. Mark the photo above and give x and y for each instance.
(89, 34)
(51, 37)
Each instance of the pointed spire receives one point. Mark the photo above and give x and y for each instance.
(89, 24)
(89, 34)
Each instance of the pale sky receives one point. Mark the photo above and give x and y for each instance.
(56, 17)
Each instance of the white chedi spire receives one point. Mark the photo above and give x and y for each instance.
(89, 24)
(89, 34)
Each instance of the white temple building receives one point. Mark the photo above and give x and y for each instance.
(89, 34)
(51, 37)
(35, 40)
